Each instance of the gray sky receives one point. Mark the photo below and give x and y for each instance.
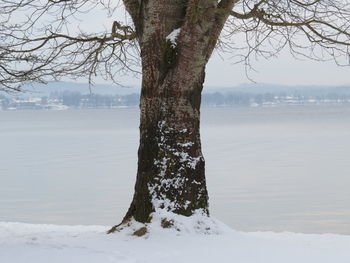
(283, 70)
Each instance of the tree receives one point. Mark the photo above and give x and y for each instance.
(174, 40)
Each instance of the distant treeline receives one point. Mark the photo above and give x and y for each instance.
(77, 100)
(266, 99)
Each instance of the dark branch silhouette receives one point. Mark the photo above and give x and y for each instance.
(31, 51)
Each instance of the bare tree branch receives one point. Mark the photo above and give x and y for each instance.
(318, 29)
(38, 42)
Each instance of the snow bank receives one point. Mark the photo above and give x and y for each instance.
(166, 223)
(28, 243)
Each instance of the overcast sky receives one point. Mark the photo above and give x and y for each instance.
(283, 70)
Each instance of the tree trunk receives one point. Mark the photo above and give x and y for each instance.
(171, 165)
(170, 162)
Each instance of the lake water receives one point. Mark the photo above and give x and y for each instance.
(279, 169)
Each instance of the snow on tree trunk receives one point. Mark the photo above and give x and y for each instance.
(171, 165)
(176, 39)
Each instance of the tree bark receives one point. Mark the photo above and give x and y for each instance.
(171, 165)
(171, 171)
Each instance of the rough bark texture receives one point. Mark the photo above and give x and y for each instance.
(170, 162)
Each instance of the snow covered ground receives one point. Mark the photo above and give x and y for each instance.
(284, 164)
(27, 243)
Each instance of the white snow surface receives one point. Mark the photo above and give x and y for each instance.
(200, 239)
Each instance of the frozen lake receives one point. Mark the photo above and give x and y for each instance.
(280, 169)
